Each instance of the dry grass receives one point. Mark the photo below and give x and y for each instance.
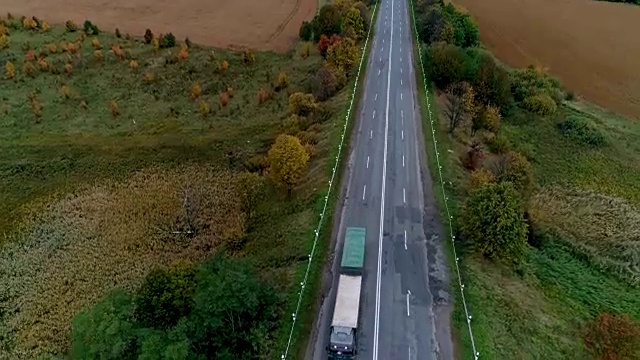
(74, 251)
(607, 229)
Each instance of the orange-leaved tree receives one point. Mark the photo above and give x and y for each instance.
(287, 161)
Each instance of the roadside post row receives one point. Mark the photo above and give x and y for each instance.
(331, 181)
(476, 353)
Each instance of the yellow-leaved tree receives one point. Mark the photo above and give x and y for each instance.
(343, 55)
(287, 161)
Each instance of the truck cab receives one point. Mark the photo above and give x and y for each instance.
(342, 343)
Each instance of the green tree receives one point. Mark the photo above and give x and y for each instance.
(106, 331)
(287, 161)
(492, 83)
(328, 21)
(157, 344)
(165, 296)
(493, 222)
(364, 14)
(234, 311)
(447, 64)
(353, 20)
(306, 31)
(343, 55)
(460, 105)
(488, 118)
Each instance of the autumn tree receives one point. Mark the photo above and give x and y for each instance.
(343, 55)
(492, 84)
(301, 104)
(493, 222)
(460, 105)
(324, 83)
(364, 14)
(487, 118)
(514, 167)
(613, 337)
(353, 20)
(287, 161)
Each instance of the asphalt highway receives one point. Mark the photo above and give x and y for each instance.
(405, 303)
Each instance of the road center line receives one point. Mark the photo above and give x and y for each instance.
(376, 99)
(400, 96)
(404, 195)
(408, 294)
(367, 161)
(405, 239)
(376, 328)
(403, 160)
(364, 192)
(402, 134)
(371, 134)
(374, 114)
(378, 72)
(400, 81)
(400, 70)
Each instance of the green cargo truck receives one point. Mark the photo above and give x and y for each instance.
(342, 337)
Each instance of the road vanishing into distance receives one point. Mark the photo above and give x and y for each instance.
(405, 303)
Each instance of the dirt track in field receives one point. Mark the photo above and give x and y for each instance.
(263, 24)
(592, 46)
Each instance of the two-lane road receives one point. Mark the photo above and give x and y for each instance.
(405, 281)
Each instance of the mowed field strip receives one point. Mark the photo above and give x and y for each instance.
(262, 25)
(591, 46)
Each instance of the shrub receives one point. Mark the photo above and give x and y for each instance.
(224, 99)
(262, 96)
(98, 55)
(165, 297)
(479, 178)
(306, 31)
(28, 69)
(68, 68)
(283, 81)
(44, 26)
(155, 43)
(582, 131)
(167, 41)
(90, 28)
(324, 83)
(447, 64)
(52, 48)
(29, 24)
(43, 65)
(148, 36)
(230, 91)
(611, 337)
(287, 161)
(149, 77)
(113, 108)
(3, 29)
(498, 144)
(541, 104)
(473, 157)
(493, 222)
(248, 57)
(488, 118)
(4, 41)
(533, 81)
(223, 66)
(195, 91)
(305, 51)
(323, 45)
(203, 108)
(95, 43)
(65, 91)
(187, 42)
(30, 56)
(183, 54)
(513, 167)
(133, 65)
(301, 104)
(116, 50)
(118, 34)
(9, 70)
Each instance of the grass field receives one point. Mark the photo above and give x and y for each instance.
(91, 196)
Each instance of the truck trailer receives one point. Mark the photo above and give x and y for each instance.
(344, 324)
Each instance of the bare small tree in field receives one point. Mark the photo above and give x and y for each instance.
(460, 106)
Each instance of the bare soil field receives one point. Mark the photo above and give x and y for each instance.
(591, 46)
(262, 25)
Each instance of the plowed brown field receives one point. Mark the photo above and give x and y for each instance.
(259, 24)
(592, 46)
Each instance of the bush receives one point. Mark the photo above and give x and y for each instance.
(90, 28)
(248, 57)
(610, 337)
(71, 26)
(493, 222)
(498, 144)
(9, 70)
(479, 178)
(325, 83)
(306, 31)
(4, 41)
(514, 168)
(165, 297)
(447, 64)
(167, 41)
(488, 118)
(283, 81)
(541, 104)
(148, 36)
(582, 131)
(474, 156)
(533, 81)
(301, 104)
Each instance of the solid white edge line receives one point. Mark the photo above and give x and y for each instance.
(376, 329)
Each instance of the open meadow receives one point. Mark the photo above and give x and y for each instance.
(264, 25)
(591, 46)
(151, 186)
(544, 192)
